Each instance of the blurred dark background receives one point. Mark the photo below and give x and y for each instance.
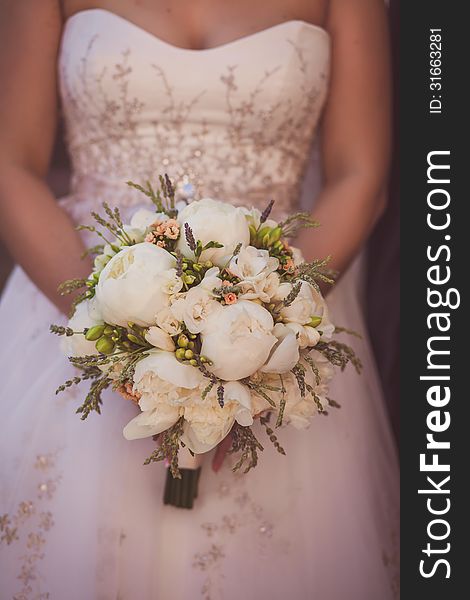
(383, 281)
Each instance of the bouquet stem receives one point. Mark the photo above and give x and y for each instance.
(182, 492)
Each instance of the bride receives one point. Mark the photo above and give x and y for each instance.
(227, 98)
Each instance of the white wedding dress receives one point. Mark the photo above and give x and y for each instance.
(81, 518)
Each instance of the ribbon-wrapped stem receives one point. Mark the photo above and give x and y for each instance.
(181, 492)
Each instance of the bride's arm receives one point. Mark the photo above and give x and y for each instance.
(355, 134)
(38, 234)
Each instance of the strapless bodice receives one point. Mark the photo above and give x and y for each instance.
(234, 122)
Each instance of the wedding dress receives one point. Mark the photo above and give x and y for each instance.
(80, 516)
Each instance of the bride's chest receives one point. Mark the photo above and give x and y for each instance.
(112, 70)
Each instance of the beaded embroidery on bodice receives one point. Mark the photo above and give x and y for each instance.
(234, 122)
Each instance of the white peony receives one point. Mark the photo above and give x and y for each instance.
(86, 315)
(196, 305)
(208, 424)
(205, 427)
(135, 284)
(164, 366)
(238, 339)
(164, 385)
(213, 221)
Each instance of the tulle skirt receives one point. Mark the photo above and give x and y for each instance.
(82, 518)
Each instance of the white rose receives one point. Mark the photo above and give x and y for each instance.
(238, 339)
(213, 221)
(160, 339)
(130, 287)
(197, 304)
(86, 315)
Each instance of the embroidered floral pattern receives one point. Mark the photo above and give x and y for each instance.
(248, 517)
(241, 137)
(29, 525)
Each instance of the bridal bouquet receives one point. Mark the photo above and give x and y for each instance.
(206, 318)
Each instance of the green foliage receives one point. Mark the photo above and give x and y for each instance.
(244, 441)
(168, 446)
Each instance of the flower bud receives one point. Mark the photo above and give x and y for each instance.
(193, 362)
(275, 234)
(189, 279)
(188, 354)
(183, 341)
(263, 231)
(180, 353)
(131, 337)
(108, 330)
(104, 345)
(314, 321)
(94, 333)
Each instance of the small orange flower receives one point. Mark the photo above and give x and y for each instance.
(230, 298)
(150, 238)
(172, 230)
(128, 393)
(159, 227)
(226, 283)
(289, 266)
(161, 244)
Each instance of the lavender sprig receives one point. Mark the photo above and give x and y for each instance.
(266, 212)
(188, 234)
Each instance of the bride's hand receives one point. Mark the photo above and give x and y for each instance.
(38, 234)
